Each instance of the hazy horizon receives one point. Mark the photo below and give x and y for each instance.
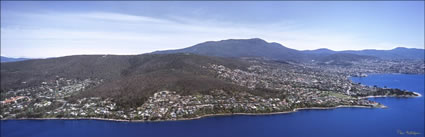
(53, 29)
(169, 49)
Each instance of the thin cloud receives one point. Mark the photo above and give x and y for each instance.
(119, 17)
(58, 34)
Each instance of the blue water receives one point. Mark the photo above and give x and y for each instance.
(405, 114)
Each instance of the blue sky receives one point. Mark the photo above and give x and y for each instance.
(51, 29)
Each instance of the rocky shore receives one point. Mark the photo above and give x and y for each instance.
(199, 117)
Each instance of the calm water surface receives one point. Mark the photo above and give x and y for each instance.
(404, 114)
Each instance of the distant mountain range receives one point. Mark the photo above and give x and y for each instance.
(7, 59)
(396, 53)
(259, 48)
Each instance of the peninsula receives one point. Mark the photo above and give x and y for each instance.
(174, 85)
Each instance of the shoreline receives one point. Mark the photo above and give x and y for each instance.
(416, 93)
(222, 114)
(419, 94)
(199, 117)
(383, 96)
(225, 114)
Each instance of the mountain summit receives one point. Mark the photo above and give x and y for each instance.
(241, 48)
